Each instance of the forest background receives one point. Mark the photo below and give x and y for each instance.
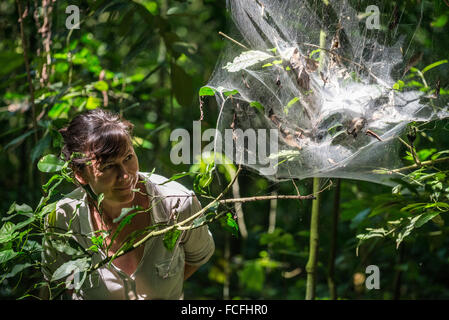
(148, 60)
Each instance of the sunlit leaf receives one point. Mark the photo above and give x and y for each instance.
(137, 141)
(50, 163)
(65, 247)
(170, 238)
(257, 105)
(78, 265)
(93, 103)
(17, 269)
(7, 232)
(7, 255)
(206, 91)
(247, 59)
(125, 212)
(101, 85)
(230, 224)
(440, 22)
(176, 177)
(433, 65)
(58, 109)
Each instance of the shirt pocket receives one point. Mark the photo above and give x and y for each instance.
(171, 267)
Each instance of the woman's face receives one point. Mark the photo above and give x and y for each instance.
(115, 178)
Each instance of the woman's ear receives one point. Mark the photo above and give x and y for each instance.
(79, 175)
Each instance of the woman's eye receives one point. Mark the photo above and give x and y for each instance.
(129, 157)
(107, 167)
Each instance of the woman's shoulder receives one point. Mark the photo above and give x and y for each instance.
(169, 196)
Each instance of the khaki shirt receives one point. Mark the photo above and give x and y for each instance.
(160, 273)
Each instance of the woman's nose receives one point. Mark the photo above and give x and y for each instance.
(123, 172)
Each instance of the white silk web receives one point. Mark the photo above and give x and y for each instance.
(325, 81)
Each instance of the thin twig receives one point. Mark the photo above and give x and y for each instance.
(415, 166)
(259, 198)
(255, 198)
(235, 41)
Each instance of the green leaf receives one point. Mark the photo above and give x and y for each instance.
(50, 163)
(170, 238)
(22, 224)
(55, 177)
(440, 22)
(438, 154)
(100, 199)
(398, 85)
(230, 93)
(7, 255)
(206, 91)
(247, 59)
(313, 52)
(425, 217)
(372, 233)
(23, 208)
(425, 153)
(290, 103)
(176, 177)
(231, 225)
(78, 265)
(17, 269)
(65, 247)
(414, 206)
(101, 85)
(198, 221)
(7, 232)
(257, 105)
(149, 126)
(93, 103)
(58, 109)
(213, 208)
(433, 65)
(125, 212)
(98, 240)
(202, 181)
(139, 142)
(93, 248)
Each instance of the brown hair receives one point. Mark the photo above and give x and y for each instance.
(95, 134)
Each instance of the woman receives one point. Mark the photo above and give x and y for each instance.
(109, 170)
